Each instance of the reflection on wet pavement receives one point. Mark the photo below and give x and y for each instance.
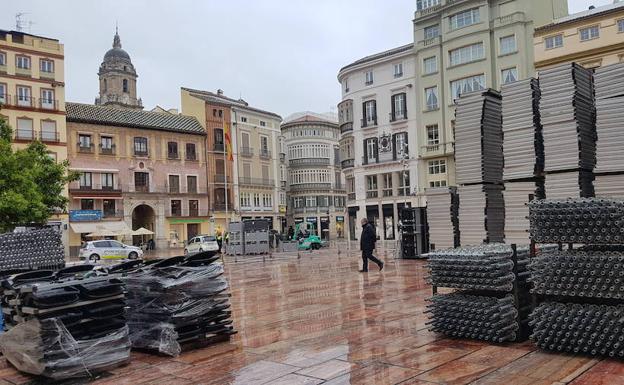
(316, 320)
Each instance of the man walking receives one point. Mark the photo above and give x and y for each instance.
(367, 245)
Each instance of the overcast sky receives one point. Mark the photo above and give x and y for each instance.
(280, 55)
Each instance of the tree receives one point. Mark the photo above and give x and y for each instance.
(31, 182)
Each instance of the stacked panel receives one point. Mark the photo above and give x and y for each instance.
(517, 196)
(567, 115)
(34, 249)
(481, 214)
(610, 185)
(478, 138)
(64, 327)
(570, 184)
(442, 217)
(523, 145)
(179, 303)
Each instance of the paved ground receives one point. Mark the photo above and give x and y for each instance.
(313, 319)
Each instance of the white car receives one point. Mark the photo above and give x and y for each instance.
(93, 251)
(202, 243)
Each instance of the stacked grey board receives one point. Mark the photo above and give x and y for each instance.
(517, 196)
(478, 138)
(571, 184)
(609, 117)
(442, 217)
(608, 81)
(481, 214)
(609, 186)
(256, 236)
(567, 115)
(523, 146)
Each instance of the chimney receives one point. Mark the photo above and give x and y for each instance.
(220, 92)
(591, 7)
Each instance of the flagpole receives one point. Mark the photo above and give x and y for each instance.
(226, 159)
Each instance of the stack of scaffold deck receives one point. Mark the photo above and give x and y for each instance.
(442, 217)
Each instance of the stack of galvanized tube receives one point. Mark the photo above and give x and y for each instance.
(479, 167)
(610, 144)
(581, 290)
(34, 249)
(523, 149)
(62, 327)
(494, 304)
(178, 303)
(568, 118)
(442, 217)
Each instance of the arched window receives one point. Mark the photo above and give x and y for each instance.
(105, 85)
(125, 85)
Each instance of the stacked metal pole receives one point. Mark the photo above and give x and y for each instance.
(479, 167)
(610, 144)
(582, 290)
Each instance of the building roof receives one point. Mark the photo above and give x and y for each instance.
(125, 117)
(579, 16)
(5, 31)
(380, 55)
(307, 116)
(211, 97)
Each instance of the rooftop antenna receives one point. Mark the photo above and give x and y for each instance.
(21, 24)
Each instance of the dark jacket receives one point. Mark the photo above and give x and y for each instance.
(368, 238)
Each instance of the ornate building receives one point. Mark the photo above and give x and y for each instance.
(118, 79)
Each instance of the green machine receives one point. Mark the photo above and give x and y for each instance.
(304, 235)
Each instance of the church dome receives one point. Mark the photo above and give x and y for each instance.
(116, 52)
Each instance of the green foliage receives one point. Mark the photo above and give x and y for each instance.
(31, 183)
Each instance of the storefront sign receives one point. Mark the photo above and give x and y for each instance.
(311, 219)
(298, 220)
(85, 215)
(282, 209)
(339, 219)
(324, 219)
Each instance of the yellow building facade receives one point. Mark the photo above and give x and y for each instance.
(592, 38)
(32, 96)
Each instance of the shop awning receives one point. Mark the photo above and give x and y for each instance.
(101, 229)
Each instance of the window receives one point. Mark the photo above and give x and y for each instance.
(398, 70)
(433, 135)
(620, 24)
(108, 181)
(370, 113)
(589, 33)
(262, 123)
(190, 151)
(109, 207)
(140, 146)
(48, 131)
(23, 96)
(256, 197)
(125, 85)
(3, 93)
(243, 119)
(106, 144)
(141, 181)
(371, 186)
(23, 62)
(509, 75)
(431, 98)
(193, 208)
(400, 146)
(267, 200)
(424, 4)
(399, 107)
(2, 59)
(346, 85)
(464, 19)
(369, 78)
(25, 128)
(437, 167)
(87, 204)
(371, 150)
(264, 146)
(430, 65)
(86, 179)
(105, 86)
(174, 183)
(387, 184)
(437, 183)
(466, 54)
(84, 141)
(47, 99)
(554, 41)
(432, 31)
(191, 184)
(404, 183)
(245, 199)
(46, 65)
(508, 44)
(176, 208)
(470, 84)
(172, 150)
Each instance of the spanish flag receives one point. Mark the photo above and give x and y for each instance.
(228, 142)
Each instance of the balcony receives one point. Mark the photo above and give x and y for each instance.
(299, 210)
(24, 101)
(185, 212)
(265, 154)
(139, 188)
(347, 163)
(142, 154)
(372, 194)
(247, 181)
(23, 72)
(48, 104)
(369, 122)
(309, 162)
(246, 152)
(3, 68)
(222, 207)
(396, 158)
(430, 42)
(173, 156)
(23, 134)
(50, 136)
(191, 157)
(173, 188)
(221, 178)
(46, 75)
(398, 117)
(218, 147)
(436, 150)
(346, 127)
(351, 196)
(310, 186)
(387, 192)
(75, 188)
(107, 150)
(85, 148)
(112, 214)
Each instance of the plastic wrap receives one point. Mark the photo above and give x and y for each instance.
(46, 348)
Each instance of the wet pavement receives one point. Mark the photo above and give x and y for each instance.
(311, 318)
